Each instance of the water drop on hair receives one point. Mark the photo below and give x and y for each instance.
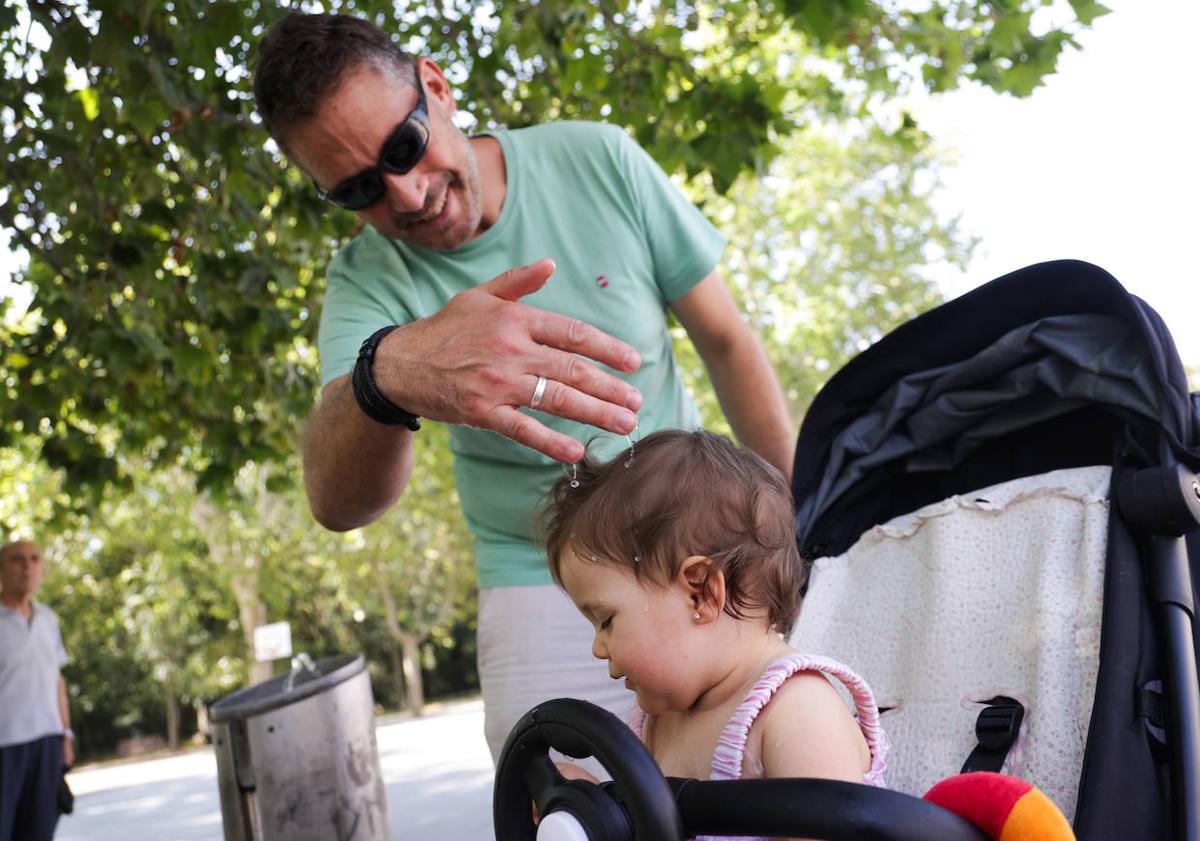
(637, 426)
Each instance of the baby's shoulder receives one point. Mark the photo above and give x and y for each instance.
(805, 696)
(807, 690)
(808, 729)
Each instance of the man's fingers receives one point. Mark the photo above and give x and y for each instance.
(578, 373)
(561, 399)
(523, 429)
(575, 336)
(518, 282)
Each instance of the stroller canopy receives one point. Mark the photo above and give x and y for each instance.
(1026, 374)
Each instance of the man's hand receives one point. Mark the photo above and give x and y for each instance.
(476, 361)
(68, 750)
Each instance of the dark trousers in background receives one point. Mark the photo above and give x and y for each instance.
(29, 777)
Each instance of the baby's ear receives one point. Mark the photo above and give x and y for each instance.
(705, 587)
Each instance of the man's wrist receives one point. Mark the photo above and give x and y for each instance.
(370, 399)
(69, 734)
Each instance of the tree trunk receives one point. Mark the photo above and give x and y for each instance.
(172, 720)
(410, 648)
(410, 645)
(398, 674)
(251, 613)
(203, 727)
(213, 523)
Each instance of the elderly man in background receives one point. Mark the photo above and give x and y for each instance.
(36, 742)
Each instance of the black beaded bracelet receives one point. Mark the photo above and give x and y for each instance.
(367, 394)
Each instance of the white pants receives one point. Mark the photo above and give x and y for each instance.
(534, 646)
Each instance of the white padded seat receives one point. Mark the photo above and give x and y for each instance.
(997, 592)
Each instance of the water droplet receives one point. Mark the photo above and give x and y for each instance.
(637, 426)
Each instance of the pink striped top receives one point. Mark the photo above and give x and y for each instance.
(731, 747)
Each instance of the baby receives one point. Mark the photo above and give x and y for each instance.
(681, 553)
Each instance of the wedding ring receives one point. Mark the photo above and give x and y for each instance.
(538, 391)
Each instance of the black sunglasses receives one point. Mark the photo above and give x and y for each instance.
(401, 152)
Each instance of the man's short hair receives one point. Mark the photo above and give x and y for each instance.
(304, 58)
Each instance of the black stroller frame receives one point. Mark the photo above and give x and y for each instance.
(1164, 502)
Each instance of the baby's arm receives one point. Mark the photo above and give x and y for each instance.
(808, 731)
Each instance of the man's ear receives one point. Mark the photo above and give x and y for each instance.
(435, 85)
(704, 586)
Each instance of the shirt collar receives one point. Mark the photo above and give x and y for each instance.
(34, 610)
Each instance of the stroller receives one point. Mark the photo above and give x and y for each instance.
(998, 497)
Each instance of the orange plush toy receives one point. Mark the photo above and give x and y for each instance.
(1005, 808)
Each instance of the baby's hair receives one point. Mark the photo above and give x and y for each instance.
(676, 494)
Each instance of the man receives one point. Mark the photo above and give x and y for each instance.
(524, 365)
(36, 742)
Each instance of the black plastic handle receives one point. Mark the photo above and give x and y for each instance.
(639, 801)
(641, 805)
(821, 809)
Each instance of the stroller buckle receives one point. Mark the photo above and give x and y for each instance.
(999, 723)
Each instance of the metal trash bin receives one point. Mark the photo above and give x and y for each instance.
(297, 759)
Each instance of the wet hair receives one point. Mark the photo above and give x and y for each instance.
(676, 494)
(304, 58)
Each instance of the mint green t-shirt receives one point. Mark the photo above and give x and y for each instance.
(626, 242)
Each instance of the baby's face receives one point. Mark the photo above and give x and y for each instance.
(643, 631)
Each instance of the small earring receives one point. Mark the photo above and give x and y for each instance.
(696, 616)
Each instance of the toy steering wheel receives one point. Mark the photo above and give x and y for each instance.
(637, 804)
(642, 805)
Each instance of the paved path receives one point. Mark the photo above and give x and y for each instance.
(436, 769)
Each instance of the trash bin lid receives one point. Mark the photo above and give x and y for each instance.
(274, 693)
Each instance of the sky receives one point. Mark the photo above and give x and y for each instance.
(1102, 164)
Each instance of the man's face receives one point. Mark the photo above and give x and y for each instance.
(21, 569)
(437, 203)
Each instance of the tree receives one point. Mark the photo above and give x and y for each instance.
(176, 263)
(419, 561)
(828, 252)
(278, 561)
(177, 612)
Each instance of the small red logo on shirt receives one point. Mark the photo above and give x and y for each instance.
(601, 282)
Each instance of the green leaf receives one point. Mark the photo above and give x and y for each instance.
(91, 103)
(1088, 10)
